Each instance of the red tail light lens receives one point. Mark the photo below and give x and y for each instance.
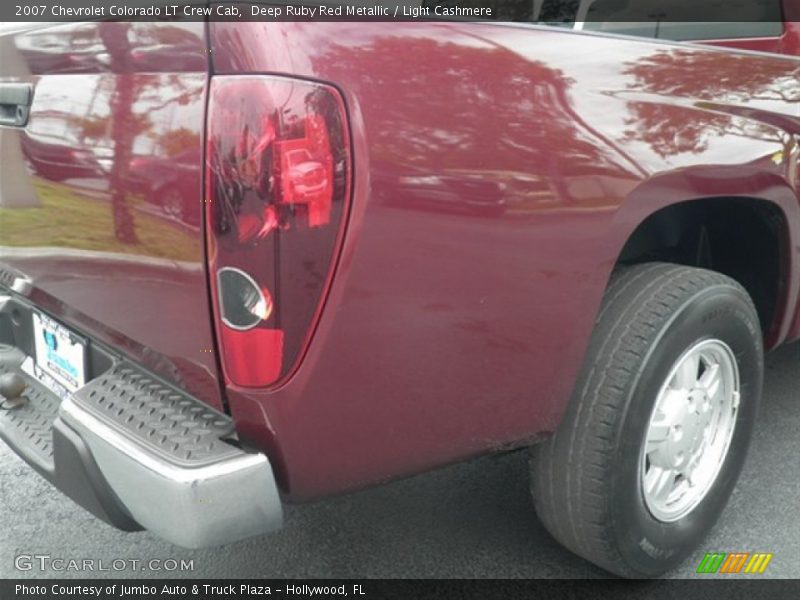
(277, 189)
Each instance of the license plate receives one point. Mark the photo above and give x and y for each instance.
(59, 353)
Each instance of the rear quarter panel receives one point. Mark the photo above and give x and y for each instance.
(449, 331)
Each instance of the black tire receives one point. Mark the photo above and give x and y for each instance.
(586, 479)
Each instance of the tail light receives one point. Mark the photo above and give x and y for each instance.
(277, 189)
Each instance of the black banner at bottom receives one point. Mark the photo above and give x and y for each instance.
(369, 589)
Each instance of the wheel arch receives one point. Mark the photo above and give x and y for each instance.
(748, 238)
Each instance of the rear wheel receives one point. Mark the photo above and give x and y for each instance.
(658, 428)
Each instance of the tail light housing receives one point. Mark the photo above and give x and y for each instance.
(277, 193)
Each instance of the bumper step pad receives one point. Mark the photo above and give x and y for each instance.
(30, 425)
(138, 452)
(169, 423)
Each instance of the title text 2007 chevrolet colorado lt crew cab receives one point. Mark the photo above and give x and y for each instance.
(243, 264)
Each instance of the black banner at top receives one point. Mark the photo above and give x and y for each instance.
(558, 12)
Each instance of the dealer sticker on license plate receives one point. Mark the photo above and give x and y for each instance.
(59, 352)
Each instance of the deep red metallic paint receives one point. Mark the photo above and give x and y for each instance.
(449, 332)
(498, 172)
(100, 206)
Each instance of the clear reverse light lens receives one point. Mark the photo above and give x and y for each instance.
(244, 304)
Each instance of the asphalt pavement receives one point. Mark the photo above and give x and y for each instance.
(469, 520)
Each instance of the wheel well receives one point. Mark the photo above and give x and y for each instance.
(743, 238)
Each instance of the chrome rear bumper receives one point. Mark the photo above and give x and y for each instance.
(194, 507)
(135, 450)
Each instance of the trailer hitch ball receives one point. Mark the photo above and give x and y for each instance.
(12, 386)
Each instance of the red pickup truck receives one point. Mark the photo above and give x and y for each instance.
(245, 264)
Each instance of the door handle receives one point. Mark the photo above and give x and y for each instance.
(15, 103)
